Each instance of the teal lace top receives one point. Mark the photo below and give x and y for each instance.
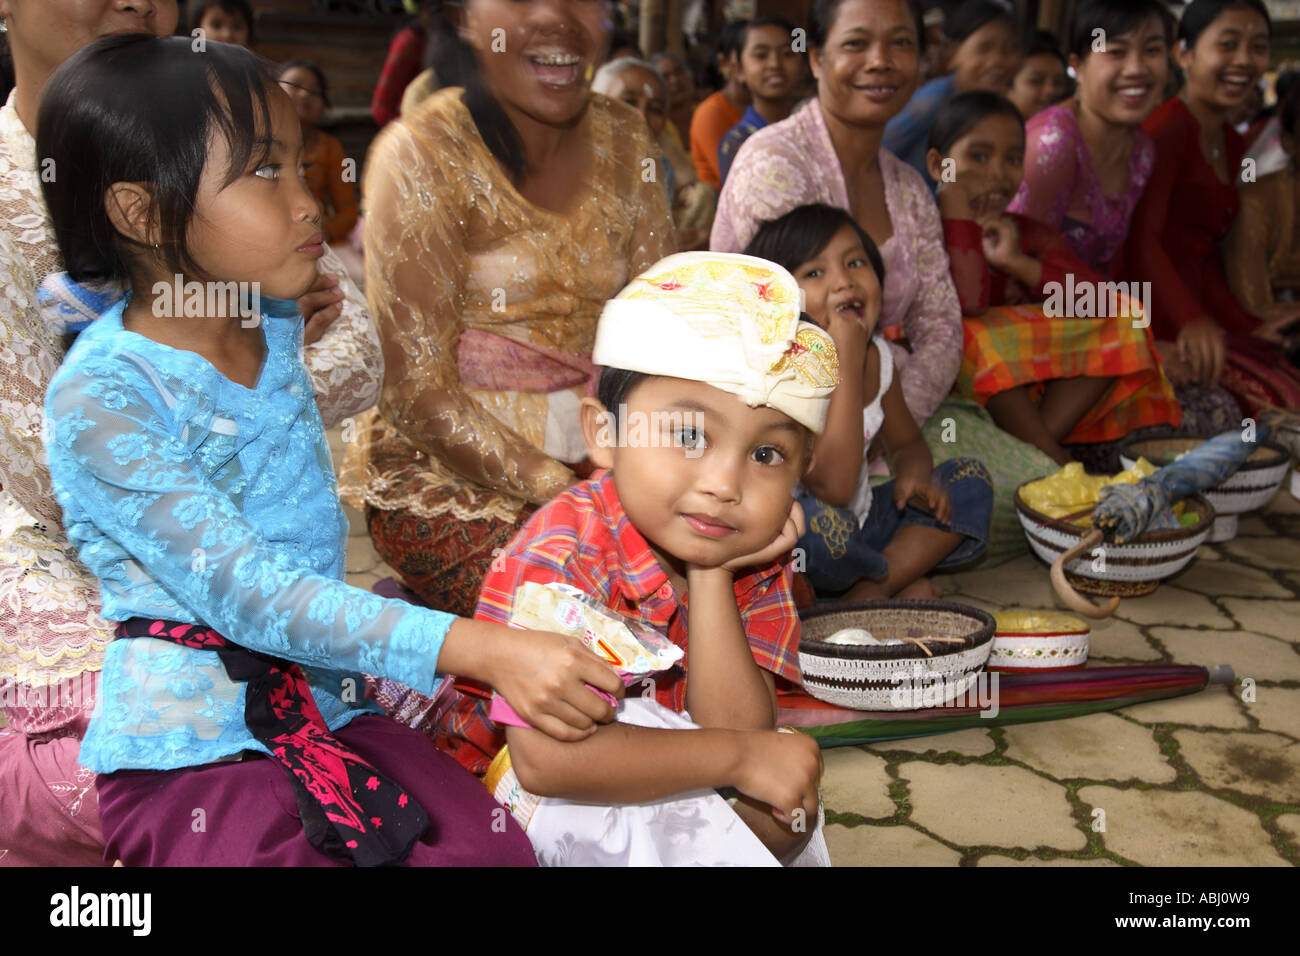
(195, 499)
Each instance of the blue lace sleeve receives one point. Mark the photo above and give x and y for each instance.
(144, 497)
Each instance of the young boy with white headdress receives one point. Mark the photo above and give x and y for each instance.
(711, 392)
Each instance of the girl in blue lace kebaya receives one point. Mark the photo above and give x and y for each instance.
(195, 480)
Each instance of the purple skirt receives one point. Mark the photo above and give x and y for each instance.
(245, 814)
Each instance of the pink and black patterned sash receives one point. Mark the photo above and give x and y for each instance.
(349, 809)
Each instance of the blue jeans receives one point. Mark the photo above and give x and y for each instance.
(839, 553)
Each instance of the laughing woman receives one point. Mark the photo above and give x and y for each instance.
(1190, 205)
(500, 217)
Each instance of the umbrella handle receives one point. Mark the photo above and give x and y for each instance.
(1066, 592)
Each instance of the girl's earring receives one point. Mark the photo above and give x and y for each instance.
(4, 27)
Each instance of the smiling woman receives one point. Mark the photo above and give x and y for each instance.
(1192, 202)
(502, 214)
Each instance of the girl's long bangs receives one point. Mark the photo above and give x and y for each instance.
(142, 109)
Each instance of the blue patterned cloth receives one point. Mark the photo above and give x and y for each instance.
(840, 553)
(198, 500)
(735, 138)
(907, 135)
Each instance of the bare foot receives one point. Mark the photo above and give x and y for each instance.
(866, 590)
(922, 589)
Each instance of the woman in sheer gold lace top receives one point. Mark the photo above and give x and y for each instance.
(1262, 252)
(486, 283)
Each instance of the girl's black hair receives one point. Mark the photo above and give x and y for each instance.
(139, 108)
(454, 64)
(730, 40)
(803, 232)
(960, 114)
(1115, 18)
(315, 70)
(973, 15)
(822, 15)
(1038, 42)
(1201, 13)
(238, 7)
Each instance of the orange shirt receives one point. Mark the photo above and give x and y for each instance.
(337, 196)
(710, 123)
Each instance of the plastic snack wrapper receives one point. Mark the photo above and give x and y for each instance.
(632, 650)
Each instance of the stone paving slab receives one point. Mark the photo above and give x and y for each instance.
(964, 743)
(856, 782)
(1277, 709)
(1172, 603)
(999, 806)
(1279, 619)
(1226, 577)
(1250, 654)
(1260, 764)
(1115, 640)
(1212, 707)
(1162, 828)
(1097, 747)
(996, 859)
(868, 845)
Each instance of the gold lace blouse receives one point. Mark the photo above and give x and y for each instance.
(450, 246)
(1261, 253)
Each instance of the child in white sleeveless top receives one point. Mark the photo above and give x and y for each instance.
(864, 543)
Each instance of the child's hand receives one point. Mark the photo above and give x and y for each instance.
(925, 493)
(320, 306)
(544, 677)
(789, 536)
(1001, 241)
(783, 771)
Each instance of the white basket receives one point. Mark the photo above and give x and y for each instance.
(893, 676)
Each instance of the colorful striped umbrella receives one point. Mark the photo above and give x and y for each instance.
(1019, 698)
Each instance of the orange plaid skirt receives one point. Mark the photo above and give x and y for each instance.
(1013, 345)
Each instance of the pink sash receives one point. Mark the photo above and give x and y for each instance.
(495, 362)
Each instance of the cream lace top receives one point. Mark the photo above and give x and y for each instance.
(50, 628)
(451, 246)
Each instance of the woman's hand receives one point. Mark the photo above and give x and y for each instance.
(320, 306)
(1200, 345)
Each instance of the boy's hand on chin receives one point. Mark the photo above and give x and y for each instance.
(786, 539)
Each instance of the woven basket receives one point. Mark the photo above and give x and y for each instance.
(1131, 569)
(894, 676)
(1038, 641)
(1252, 486)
